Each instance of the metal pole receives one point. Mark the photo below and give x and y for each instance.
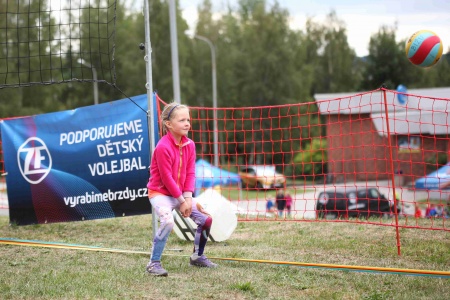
(174, 48)
(383, 89)
(94, 76)
(149, 87)
(214, 91)
(94, 73)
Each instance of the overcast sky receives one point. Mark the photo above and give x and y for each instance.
(362, 17)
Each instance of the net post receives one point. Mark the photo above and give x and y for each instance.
(149, 87)
(383, 88)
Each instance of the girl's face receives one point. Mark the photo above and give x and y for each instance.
(180, 123)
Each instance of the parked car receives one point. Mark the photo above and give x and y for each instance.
(353, 202)
(261, 177)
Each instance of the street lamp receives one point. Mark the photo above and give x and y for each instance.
(214, 90)
(94, 75)
(174, 51)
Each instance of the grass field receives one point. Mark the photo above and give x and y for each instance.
(235, 194)
(44, 273)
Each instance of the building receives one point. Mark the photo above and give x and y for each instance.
(362, 145)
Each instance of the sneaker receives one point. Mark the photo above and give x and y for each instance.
(202, 261)
(156, 269)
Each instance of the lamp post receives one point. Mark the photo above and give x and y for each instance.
(94, 77)
(214, 91)
(174, 51)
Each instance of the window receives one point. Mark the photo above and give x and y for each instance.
(408, 143)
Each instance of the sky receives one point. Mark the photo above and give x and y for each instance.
(362, 18)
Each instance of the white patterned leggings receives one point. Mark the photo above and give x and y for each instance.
(163, 206)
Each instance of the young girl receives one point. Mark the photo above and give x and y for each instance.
(171, 184)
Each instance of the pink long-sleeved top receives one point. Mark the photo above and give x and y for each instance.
(172, 170)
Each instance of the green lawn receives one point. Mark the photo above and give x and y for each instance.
(43, 273)
(234, 193)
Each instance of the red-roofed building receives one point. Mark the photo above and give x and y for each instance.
(359, 138)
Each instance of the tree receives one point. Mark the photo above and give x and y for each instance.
(386, 63)
(336, 70)
(435, 76)
(130, 64)
(257, 58)
(200, 62)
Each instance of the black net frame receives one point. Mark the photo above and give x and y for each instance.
(47, 42)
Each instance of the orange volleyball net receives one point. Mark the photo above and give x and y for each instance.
(377, 157)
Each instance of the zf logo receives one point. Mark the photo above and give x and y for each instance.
(34, 160)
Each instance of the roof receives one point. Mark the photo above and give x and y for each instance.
(373, 101)
(412, 112)
(415, 122)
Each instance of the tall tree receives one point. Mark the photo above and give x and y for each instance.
(200, 60)
(261, 54)
(161, 49)
(337, 72)
(130, 62)
(386, 63)
(262, 62)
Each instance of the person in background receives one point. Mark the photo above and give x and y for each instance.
(288, 198)
(281, 202)
(418, 211)
(447, 210)
(439, 210)
(430, 211)
(270, 205)
(171, 184)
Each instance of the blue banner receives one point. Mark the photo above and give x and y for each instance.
(83, 164)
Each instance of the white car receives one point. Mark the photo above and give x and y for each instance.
(261, 177)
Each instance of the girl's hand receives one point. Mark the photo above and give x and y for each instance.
(186, 207)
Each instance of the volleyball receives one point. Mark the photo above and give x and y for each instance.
(424, 48)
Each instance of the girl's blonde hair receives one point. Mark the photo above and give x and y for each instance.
(168, 113)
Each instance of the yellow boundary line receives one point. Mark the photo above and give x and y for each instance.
(30, 243)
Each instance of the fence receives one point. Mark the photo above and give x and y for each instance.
(353, 147)
(341, 160)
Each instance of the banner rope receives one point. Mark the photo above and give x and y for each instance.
(414, 272)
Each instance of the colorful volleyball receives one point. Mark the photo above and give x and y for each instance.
(424, 48)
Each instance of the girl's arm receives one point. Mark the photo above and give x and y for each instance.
(165, 164)
(189, 184)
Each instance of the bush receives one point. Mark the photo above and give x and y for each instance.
(311, 160)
